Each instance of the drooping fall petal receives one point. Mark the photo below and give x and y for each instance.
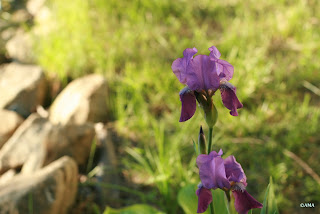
(245, 202)
(204, 199)
(212, 171)
(189, 104)
(229, 98)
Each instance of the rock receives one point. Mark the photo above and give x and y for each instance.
(107, 167)
(50, 190)
(22, 88)
(19, 47)
(9, 123)
(83, 100)
(37, 142)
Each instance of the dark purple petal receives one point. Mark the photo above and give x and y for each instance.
(214, 52)
(229, 98)
(204, 199)
(234, 171)
(212, 171)
(179, 65)
(189, 104)
(201, 74)
(245, 202)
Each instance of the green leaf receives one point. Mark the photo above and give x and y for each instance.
(220, 202)
(188, 199)
(134, 209)
(269, 203)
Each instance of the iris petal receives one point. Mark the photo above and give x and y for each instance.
(212, 171)
(179, 65)
(201, 74)
(204, 199)
(234, 171)
(189, 104)
(229, 98)
(245, 202)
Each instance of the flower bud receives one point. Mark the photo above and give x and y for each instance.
(202, 142)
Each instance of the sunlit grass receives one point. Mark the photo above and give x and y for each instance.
(274, 47)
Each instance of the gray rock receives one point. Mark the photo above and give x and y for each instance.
(19, 47)
(9, 123)
(50, 190)
(83, 100)
(22, 88)
(37, 143)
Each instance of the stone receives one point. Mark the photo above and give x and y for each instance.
(83, 100)
(22, 88)
(38, 142)
(9, 123)
(49, 190)
(19, 47)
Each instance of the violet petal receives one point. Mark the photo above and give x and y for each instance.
(212, 171)
(229, 98)
(234, 171)
(214, 52)
(189, 104)
(201, 74)
(224, 69)
(204, 199)
(245, 202)
(179, 65)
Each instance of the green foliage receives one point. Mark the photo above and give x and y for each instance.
(134, 209)
(274, 47)
(220, 202)
(269, 203)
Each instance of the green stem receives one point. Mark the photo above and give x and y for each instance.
(209, 150)
(210, 139)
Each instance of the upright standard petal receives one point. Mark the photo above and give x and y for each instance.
(234, 171)
(214, 52)
(201, 74)
(204, 199)
(224, 68)
(229, 98)
(245, 202)
(189, 104)
(212, 171)
(179, 65)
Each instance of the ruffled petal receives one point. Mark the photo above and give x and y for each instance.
(204, 199)
(214, 52)
(201, 74)
(234, 171)
(224, 68)
(229, 98)
(212, 171)
(245, 202)
(189, 104)
(179, 65)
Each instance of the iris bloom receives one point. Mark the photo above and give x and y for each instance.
(204, 75)
(226, 174)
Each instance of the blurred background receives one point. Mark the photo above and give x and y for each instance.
(274, 46)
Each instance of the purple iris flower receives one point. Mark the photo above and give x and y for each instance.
(204, 75)
(226, 174)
